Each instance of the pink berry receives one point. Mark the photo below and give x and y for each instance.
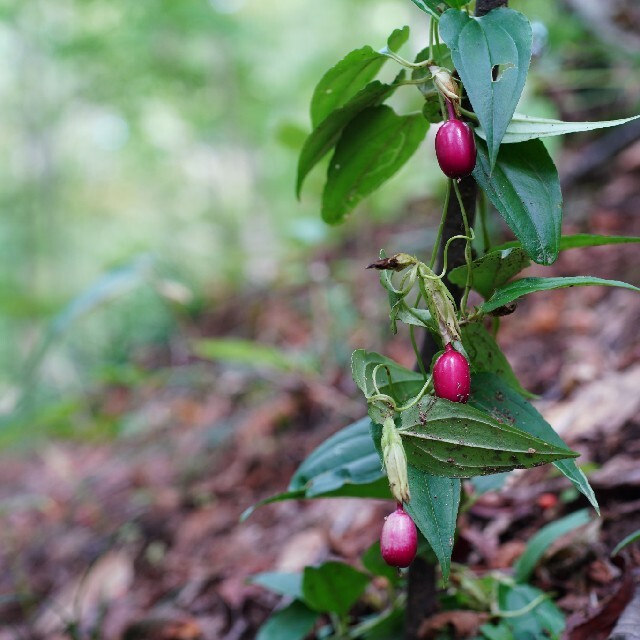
(455, 148)
(399, 539)
(451, 376)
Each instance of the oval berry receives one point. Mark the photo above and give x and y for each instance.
(399, 539)
(451, 376)
(456, 148)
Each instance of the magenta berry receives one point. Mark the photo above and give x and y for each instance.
(451, 376)
(399, 539)
(455, 147)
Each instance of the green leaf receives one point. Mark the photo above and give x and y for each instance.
(539, 622)
(525, 189)
(491, 270)
(348, 457)
(294, 622)
(524, 127)
(433, 507)
(375, 564)
(501, 40)
(455, 440)
(579, 240)
(340, 83)
(333, 587)
(286, 584)
(519, 288)
(485, 355)
(541, 541)
(248, 352)
(490, 393)
(324, 137)
(373, 146)
(494, 482)
(432, 7)
(404, 383)
(630, 539)
(496, 632)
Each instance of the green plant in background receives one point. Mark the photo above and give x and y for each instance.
(425, 427)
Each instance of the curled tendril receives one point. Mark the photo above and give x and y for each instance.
(427, 276)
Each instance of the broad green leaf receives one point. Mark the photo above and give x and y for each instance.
(523, 287)
(286, 584)
(491, 270)
(346, 465)
(401, 385)
(348, 457)
(248, 352)
(372, 148)
(630, 539)
(542, 621)
(524, 127)
(433, 507)
(333, 587)
(374, 563)
(294, 622)
(455, 440)
(525, 189)
(498, 42)
(485, 355)
(352, 73)
(324, 137)
(489, 393)
(579, 240)
(541, 541)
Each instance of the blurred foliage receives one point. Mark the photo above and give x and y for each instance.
(164, 133)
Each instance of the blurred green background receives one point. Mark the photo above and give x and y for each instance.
(149, 165)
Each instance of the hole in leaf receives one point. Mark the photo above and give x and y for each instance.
(498, 70)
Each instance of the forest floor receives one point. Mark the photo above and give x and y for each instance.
(140, 537)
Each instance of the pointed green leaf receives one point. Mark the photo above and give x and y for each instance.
(525, 189)
(294, 622)
(433, 507)
(543, 539)
(352, 73)
(373, 146)
(485, 355)
(579, 240)
(324, 137)
(489, 393)
(348, 457)
(524, 127)
(523, 287)
(630, 539)
(333, 587)
(455, 440)
(491, 270)
(497, 43)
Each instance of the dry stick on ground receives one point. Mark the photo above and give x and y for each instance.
(421, 599)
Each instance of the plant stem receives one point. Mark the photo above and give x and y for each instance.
(436, 244)
(467, 250)
(422, 596)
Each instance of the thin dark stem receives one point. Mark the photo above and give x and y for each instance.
(422, 594)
